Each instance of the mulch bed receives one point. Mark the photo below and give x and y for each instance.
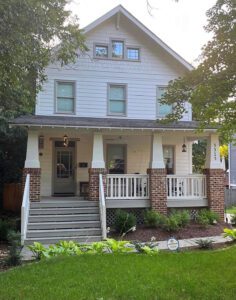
(193, 230)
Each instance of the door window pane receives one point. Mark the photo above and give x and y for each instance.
(117, 101)
(116, 159)
(117, 49)
(162, 109)
(168, 153)
(65, 98)
(64, 164)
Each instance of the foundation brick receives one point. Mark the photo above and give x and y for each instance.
(35, 182)
(94, 182)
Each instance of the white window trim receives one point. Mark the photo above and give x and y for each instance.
(158, 115)
(109, 113)
(73, 82)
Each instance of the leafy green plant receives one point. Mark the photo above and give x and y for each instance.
(38, 250)
(230, 233)
(153, 219)
(14, 257)
(205, 243)
(124, 221)
(207, 217)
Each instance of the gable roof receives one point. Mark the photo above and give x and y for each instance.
(120, 9)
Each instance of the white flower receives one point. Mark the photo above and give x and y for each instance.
(108, 229)
(133, 228)
(153, 239)
(214, 222)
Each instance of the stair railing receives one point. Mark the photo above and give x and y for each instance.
(102, 206)
(25, 209)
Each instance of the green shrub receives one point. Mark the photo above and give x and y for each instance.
(183, 217)
(153, 219)
(207, 217)
(233, 219)
(124, 221)
(4, 228)
(171, 223)
(14, 257)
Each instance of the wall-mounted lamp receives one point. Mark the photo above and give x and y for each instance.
(184, 147)
(65, 141)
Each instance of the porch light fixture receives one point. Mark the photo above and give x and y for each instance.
(65, 141)
(184, 147)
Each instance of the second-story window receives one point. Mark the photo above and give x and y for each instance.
(65, 97)
(117, 49)
(162, 109)
(116, 99)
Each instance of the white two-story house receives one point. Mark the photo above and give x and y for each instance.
(96, 137)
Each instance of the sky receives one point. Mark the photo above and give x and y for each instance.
(179, 25)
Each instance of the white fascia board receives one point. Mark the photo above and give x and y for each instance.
(142, 27)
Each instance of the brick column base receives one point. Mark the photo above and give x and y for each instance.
(35, 178)
(215, 190)
(94, 182)
(157, 189)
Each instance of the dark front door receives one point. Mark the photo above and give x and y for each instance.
(64, 177)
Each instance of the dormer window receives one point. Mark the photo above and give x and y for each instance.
(117, 49)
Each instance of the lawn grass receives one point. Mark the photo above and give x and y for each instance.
(187, 275)
(231, 210)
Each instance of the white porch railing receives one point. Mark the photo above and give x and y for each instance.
(127, 186)
(102, 207)
(25, 209)
(186, 187)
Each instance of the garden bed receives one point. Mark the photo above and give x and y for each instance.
(192, 230)
(4, 249)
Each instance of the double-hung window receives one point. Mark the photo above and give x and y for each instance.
(117, 49)
(65, 97)
(116, 99)
(162, 109)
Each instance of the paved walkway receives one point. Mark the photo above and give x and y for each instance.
(162, 245)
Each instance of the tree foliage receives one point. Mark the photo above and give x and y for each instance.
(211, 87)
(30, 29)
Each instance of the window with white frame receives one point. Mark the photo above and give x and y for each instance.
(168, 153)
(162, 109)
(116, 99)
(101, 51)
(117, 49)
(65, 97)
(133, 53)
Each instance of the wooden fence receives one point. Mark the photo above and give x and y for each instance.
(12, 197)
(230, 197)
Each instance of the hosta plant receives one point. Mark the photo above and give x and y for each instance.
(230, 233)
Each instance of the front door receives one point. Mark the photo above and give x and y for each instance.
(64, 175)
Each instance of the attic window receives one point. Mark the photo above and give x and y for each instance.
(101, 51)
(133, 53)
(117, 49)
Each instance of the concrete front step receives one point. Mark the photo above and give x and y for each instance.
(50, 240)
(63, 218)
(63, 225)
(63, 211)
(63, 204)
(63, 232)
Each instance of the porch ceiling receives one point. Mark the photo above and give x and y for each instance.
(95, 123)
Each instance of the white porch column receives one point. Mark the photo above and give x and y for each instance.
(98, 157)
(213, 153)
(157, 158)
(32, 152)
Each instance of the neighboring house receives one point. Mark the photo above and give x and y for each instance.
(100, 116)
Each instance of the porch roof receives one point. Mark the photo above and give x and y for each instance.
(88, 122)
